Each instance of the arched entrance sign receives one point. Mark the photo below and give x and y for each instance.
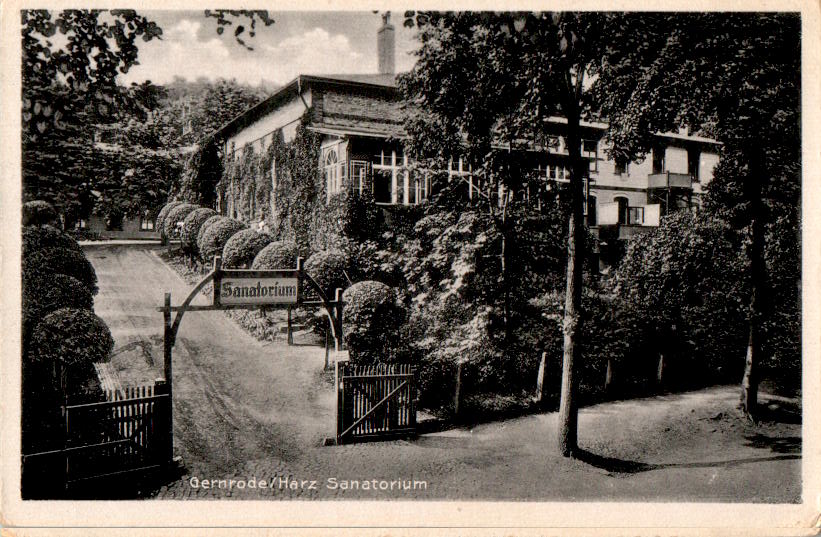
(250, 289)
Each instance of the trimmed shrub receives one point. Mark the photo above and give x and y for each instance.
(158, 223)
(205, 225)
(38, 213)
(42, 237)
(191, 227)
(243, 247)
(372, 320)
(217, 234)
(175, 215)
(277, 255)
(45, 293)
(329, 268)
(72, 263)
(72, 340)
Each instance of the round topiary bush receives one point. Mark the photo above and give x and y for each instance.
(329, 268)
(175, 215)
(243, 247)
(42, 237)
(158, 223)
(72, 263)
(45, 293)
(71, 340)
(277, 255)
(217, 234)
(371, 322)
(191, 227)
(205, 225)
(38, 213)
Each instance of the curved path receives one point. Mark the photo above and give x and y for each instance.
(245, 409)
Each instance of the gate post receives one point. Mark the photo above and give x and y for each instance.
(165, 387)
(338, 403)
(167, 342)
(338, 320)
(165, 427)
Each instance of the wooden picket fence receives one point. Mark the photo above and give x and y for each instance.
(129, 392)
(129, 432)
(375, 402)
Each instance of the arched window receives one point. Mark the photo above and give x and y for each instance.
(331, 166)
(622, 201)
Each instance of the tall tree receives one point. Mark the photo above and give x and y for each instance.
(491, 77)
(735, 76)
(71, 59)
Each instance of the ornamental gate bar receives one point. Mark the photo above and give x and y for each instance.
(374, 402)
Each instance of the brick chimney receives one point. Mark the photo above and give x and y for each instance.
(386, 45)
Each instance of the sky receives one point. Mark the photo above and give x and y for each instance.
(319, 42)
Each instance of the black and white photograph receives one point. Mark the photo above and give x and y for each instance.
(440, 260)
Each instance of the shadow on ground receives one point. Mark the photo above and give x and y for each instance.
(777, 444)
(622, 466)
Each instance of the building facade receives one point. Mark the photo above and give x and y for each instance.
(360, 120)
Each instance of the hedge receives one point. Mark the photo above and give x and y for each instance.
(42, 237)
(158, 223)
(329, 268)
(243, 247)
(43, 294)
(191, 227)
(175, 215)
(38, 213)
(372, 320)
(217, 234)
(205, 225)
(277, 255)
(73, 263)
(77, 339)
(684, 288)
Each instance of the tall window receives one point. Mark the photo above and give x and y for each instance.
(620, 165)
(658, 159)
(359, 177)
(692, 162)
(391, 178)
(463, 172)
(333, 179)
(591, 210)
(590, 152)
(622, 201)
(146, 224)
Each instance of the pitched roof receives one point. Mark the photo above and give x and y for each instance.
(384, 81)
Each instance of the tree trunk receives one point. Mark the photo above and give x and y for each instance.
(568, 405)
(758, 280)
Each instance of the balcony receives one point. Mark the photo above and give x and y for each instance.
(669, 180)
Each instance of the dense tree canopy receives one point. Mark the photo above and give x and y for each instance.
(737, 78)
(488, 79)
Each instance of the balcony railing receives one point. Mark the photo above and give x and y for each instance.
(610, 214)
(669, 180)
(635, 216)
